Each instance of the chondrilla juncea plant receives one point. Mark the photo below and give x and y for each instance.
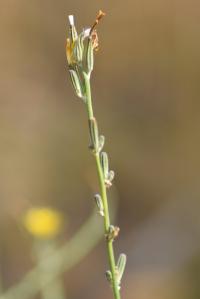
(80, 50)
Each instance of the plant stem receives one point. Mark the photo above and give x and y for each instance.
(103, 192)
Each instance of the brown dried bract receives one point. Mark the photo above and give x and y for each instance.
(113, 233)
(95, 40)
(100, 15)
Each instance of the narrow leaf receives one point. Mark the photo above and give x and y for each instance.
(94, 134)
(109, 178)
(99, 204)
(76, 83)
(104, 164)
(89, 56)
(121, 264)
(101, 142)
(111, 175)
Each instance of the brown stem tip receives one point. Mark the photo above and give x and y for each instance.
(100, 15)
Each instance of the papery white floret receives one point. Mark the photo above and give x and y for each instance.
(71, 20)
(86, 32)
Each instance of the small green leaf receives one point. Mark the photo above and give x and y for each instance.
(109, 178)
(94, 134)
(121, 264)
(99, 204)
(76, 83)
(89, 56)
(101, 142)
(104, 164)
(111, 175)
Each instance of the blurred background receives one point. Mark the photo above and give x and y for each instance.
(146, 99)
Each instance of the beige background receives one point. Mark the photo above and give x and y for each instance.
(146, 98)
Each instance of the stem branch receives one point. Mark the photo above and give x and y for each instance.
(103, 191)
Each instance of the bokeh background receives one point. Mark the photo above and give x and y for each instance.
(146, 98)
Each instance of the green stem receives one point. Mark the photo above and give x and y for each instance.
(110, 249)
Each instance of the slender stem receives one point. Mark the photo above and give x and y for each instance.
(110, 249)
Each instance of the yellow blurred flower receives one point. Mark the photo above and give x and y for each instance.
(43, 222)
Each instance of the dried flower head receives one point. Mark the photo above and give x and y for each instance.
(80, 54)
